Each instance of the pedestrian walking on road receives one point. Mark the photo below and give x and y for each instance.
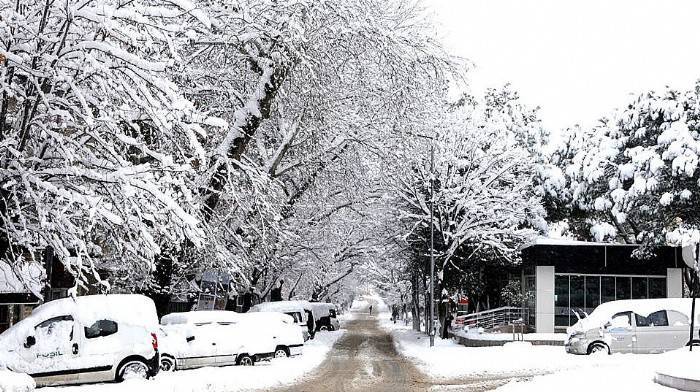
(248, 299)
(276, 293)
(394, 313)
(370, 310)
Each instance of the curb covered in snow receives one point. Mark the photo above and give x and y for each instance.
(680, 383)
(472, 342)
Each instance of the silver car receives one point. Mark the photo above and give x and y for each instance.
(633, 326)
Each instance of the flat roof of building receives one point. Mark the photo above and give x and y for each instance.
(570, 242)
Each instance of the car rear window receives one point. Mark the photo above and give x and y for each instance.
(656, 319)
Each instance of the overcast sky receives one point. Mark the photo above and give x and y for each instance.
(575, 59)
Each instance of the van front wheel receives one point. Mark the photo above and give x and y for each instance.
(597, 348)
(132, 369)
(167, 363)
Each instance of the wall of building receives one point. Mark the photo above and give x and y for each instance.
(544, 299)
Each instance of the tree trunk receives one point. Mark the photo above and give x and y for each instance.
(415, 300)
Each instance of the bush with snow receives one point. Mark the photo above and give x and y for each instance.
(15, 382)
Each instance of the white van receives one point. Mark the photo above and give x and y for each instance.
(289, 339)
(299, 310)
(87, 339)
(221, 338)
(634, 326)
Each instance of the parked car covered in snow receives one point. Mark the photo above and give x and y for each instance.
(326, 316)
(288, 338)
(87, 339)
(220, 338)
(299, 310)
(633, 326)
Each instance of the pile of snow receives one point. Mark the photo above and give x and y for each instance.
(614, 378)
(681, 363)
(15, 382)
(264, 375)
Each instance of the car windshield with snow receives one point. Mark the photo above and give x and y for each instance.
(86, 339)
(220, 338)
(633, 326)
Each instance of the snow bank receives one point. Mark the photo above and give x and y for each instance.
(264, 375)
(448, 360)
(681, 363)
(15, 382)
(617, 378)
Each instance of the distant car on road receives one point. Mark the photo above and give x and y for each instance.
(326, 316)
(633, 326)
(221, 338)
(94, 338)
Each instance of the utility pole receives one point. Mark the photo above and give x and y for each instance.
(432, 252)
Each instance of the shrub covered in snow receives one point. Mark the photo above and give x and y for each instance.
(15, 382)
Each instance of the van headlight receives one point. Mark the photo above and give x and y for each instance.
(575, 337)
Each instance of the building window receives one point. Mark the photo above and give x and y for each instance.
(607, 289)
(577, 300)
(657, 288)
(581, 294)
(623, 288)
(639, 288)
(561, 300)
(4, 317)
(592, 293)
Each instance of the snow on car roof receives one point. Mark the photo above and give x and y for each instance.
(126, 308)
(201, 317)
(282, 306)
(130, 309)
(267, 317)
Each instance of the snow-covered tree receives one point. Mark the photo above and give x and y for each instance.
(634, 177)
(484, 201)
(95, 139)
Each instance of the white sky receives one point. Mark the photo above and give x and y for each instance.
(576, 59)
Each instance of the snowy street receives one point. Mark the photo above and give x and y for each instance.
(266, 195)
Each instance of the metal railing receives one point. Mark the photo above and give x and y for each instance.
(488, 319)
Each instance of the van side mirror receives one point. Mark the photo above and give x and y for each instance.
(31, 340)
(189, 339)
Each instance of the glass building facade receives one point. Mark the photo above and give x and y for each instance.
(576, 295)
(566, 280)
